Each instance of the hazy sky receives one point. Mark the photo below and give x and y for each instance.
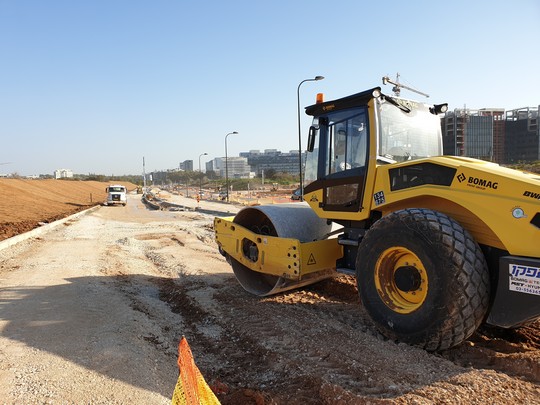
(95, 85)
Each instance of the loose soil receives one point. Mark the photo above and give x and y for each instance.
(27, 204)
(93, 310)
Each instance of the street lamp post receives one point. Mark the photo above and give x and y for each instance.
(227, 164)
(300, 133)
(200, 173)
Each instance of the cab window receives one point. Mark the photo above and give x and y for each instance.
(346, 141)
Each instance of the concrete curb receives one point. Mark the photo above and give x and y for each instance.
(43, 229)
(159, 204)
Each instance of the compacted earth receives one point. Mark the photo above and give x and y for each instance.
(92, 311)
(27, 204)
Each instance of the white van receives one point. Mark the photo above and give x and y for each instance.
(116, 194)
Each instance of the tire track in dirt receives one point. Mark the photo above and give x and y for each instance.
(283, 330)
(503, 350)
(308, 346)
(265, 329)
(313, 345)
(489, 348)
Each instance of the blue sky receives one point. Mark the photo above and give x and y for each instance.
(95, 85)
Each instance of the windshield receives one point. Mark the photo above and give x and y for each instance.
(408, 131)
(116, 189)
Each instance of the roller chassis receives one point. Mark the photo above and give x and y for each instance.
(266, 265)
(438, 244)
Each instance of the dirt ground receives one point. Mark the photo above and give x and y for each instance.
(93, 310)
(25, 204)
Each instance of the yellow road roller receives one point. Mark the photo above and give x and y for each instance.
(438, 244)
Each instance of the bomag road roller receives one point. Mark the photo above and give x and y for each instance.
(438, 244)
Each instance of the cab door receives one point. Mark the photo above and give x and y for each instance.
(343, 146)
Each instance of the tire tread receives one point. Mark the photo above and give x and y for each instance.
(472, 278)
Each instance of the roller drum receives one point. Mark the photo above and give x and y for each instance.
(295, 221)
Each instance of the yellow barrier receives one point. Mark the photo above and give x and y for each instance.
(191, 388)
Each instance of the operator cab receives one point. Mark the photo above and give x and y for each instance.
(350, 136)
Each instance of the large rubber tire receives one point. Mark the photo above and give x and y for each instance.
(423, 279)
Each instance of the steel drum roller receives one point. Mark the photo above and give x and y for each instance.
(295, 221)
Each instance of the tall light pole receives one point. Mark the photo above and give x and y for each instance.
(143, 176)
(300, 134)
(200, 173)
(227, 164)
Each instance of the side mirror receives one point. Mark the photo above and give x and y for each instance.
(313, 130)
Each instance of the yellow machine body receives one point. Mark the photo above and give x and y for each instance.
(282, 257)
(495, 204)
(438, 244)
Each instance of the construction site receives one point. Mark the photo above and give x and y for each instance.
(94, 307)
(393, 274)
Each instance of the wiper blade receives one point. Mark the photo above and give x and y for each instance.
(384, 159)
(398, 105)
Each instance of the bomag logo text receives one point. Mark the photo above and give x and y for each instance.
(482, 183)
(329, 107)
(532, 195)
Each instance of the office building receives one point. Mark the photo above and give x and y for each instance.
(474, 133)
(273, 159)
(522, 143)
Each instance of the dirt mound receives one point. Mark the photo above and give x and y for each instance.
(27, 203)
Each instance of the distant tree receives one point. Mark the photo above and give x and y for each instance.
(96, 177)
(284, 178)
(212, 175)
(533, 167)
(269, 173)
